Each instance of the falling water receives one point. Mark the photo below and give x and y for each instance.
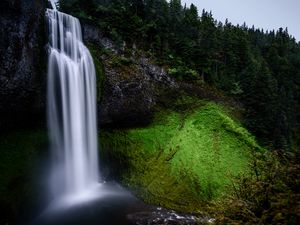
(53, 4)
(71, 107)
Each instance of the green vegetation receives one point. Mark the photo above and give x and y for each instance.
(268, 195)
(260, 69)
(20, 153)
(184, 159)
(100, 74)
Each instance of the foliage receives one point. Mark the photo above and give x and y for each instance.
(268, 195)
(182, 73)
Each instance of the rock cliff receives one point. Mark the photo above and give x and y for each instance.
(22, 62)
(132, 83)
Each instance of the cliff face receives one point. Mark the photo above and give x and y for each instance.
(131, 92)
(132, 84)
(22, 62)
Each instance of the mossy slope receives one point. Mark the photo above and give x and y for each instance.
(184, 158)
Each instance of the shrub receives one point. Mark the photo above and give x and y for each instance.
(270, 195)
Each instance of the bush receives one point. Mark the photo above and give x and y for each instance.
(183, 73)
(270, 195)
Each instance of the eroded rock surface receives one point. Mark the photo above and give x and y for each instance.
(132, 83)
(21, 61)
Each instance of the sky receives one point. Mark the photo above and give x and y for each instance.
(266, 14)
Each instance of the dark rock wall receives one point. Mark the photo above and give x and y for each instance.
(131, 100)
(132, 83)
(22, 63)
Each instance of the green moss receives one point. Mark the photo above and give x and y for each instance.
(19, 153)
(184, 158)
(99, 67)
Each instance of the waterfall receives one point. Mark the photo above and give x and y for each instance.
(53, 4)
(71, 107)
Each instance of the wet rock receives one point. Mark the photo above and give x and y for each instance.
(161, 216)
(94, 35)
(130, 99)
(132, 84)
(21, 62)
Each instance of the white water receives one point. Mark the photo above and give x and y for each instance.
(53, 4)
(71, 107)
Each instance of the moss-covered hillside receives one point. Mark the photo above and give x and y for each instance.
(184, 158)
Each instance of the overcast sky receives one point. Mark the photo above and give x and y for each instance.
(266, 14)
